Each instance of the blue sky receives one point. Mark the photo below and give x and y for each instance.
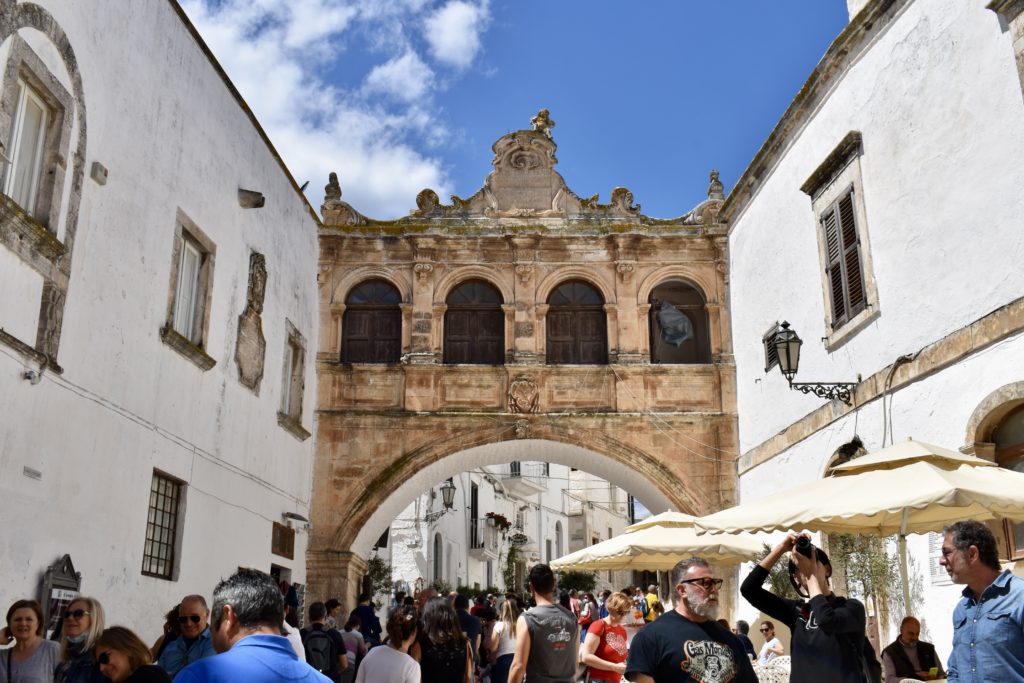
(398, 95)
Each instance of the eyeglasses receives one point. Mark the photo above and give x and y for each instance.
(104, 657)
(76, 613)
(707, 583)
(185, 618)
(764, 630)
(946, 552)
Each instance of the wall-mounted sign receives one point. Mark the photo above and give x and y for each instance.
(60, 585)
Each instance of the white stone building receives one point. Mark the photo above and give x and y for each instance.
(552, 509)
(157, 306)
(882, 220)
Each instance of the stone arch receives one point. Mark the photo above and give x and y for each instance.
(358, 275)
(32, 16)
(457, 276)
(594, 278)
(690, 276)
(384, 496)
(987, 415)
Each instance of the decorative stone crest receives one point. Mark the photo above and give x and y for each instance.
(522, 428)
(523, 396)
(251, 346)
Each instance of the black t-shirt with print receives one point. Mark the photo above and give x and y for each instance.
(673, 649)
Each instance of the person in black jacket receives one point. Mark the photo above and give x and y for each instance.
(828, 643)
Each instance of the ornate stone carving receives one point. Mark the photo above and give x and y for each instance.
(715, 189)
(523, 395)
(423, 270)
(524, 271)
(251, 346)
(336, 212)
(542, 123)
(624, 270)
(522, 428)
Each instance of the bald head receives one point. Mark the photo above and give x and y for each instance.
(193, 615)
(910, 631)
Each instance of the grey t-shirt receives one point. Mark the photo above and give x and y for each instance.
(553, 638)
(38, 668)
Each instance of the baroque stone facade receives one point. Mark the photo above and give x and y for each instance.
(525, 237)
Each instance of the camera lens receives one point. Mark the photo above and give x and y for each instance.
(804, 546)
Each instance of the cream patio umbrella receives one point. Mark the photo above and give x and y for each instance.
(658, 544)
(911, 487)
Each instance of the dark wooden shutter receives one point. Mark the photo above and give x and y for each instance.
(592, 332)
(560, 337)
(282, 541)
(474, 325)
(372, 324)
(844, 270)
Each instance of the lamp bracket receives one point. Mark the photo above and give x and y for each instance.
(828, 390)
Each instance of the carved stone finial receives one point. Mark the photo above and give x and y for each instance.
(542, 123)
(333, 188)
(715, 189)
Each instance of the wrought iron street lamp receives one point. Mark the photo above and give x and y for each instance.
(447, 500)
(787, 349)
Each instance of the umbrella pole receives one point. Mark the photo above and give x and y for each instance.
(903, 562)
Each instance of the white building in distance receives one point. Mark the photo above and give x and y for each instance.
(882, 220)
(157, 306)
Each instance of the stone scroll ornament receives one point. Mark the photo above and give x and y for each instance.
(523, 396)
(251, 346)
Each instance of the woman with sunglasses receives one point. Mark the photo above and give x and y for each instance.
(772, 647)
(604, 648)
(32, 659)
(83, 624)
(124, 658)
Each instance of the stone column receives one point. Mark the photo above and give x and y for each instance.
(540, 332)
(643, 312)
(406, 327)
(612, 313)
(510, 331)
(525, 327)
(330, 332)
(334, 574)
(437, 331)
(629, 332)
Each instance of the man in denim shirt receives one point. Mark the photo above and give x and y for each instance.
(988, 638)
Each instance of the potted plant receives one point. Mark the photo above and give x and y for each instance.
(496, 519)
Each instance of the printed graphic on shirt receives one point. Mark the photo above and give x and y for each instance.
(708, 661)
(561, 638)
(615, 642)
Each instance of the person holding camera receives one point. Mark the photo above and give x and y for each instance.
(828, 644)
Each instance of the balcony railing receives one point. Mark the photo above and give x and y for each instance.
(483, 538)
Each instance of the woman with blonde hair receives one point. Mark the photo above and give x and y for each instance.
(32, 658)
(83, 624)
(124, 658)
(503, 640)
(604, 649)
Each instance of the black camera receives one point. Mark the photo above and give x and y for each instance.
(804, 546)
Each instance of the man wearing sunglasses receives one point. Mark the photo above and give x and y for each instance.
(687, 644)
(194, 643)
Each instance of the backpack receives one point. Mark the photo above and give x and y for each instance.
(319, 650)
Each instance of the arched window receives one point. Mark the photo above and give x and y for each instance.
(372, 324)
(438, 557)
(1008, 437)
(474, 325)
(679, 324)
(577, 332)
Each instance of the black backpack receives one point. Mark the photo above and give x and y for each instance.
(320, 651)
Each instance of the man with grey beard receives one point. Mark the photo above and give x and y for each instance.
(687, 645)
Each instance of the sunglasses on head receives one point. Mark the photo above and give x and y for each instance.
(76, 613)
(707, 583)
(185, 618)
(104, 657)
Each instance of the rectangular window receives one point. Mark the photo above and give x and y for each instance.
(837, 200)
(186, 297)
(293, 383)
(188, 305)
(282, 541)
(27, 142)
(158, 557)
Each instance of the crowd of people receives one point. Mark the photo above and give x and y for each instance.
(250, 633)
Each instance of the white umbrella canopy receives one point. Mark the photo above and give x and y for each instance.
(659, 548)
(668, 518)
(914, 488)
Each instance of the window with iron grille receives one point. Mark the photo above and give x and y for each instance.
(158, 557)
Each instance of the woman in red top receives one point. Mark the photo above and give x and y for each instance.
(604, 650)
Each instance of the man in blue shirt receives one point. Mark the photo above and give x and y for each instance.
(246, 629)
(194, 642)
(988, 638)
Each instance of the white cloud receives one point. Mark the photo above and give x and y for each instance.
(454, 31)
(405, 78)
(379, 136)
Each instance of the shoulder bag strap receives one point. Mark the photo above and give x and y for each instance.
(9, 674)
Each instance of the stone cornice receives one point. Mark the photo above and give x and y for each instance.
(1009, 9)
(861, 30)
